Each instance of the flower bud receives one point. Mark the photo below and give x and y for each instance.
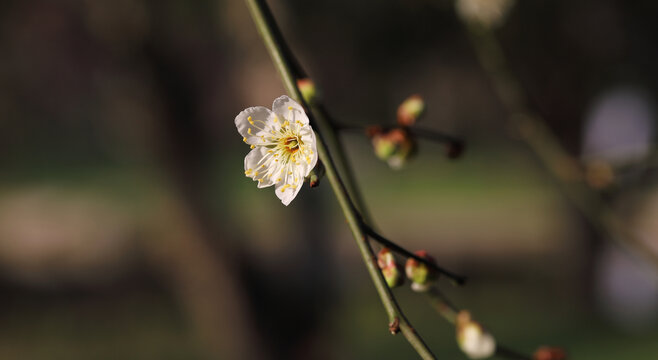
(410, 110)
(316, 175)
(394, 146)
(473, 339)
(549, 353)
(390, 268)
(308, 90)
(419, 273)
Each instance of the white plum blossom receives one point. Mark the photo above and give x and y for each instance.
(283, 146)
(473, 339)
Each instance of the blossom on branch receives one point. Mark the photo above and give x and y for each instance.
(283, 146)
(473, 339)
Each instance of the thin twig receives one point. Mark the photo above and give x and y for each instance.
(449, 312)
(457, 279)
(416, 131)
(274, 43)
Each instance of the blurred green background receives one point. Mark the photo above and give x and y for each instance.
(128, 231)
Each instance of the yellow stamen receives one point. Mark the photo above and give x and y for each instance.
(252, 146)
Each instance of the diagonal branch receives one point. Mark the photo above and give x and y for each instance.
(274, 43)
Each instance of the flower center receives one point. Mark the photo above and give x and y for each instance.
(291, 144)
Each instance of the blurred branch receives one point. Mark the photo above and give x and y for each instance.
(563, 167)
(274, 43)
(203, 278)
(201, 267)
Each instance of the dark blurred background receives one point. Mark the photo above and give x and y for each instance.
(128, 231)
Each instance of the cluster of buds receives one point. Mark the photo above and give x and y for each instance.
(420, 275)
(473, 339)
(396, 145)
(391, 270)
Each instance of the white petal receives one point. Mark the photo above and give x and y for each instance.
(289, 109)
(310, 151)
(289, 192)
(314, 155)
(263, 119)
(253, 166)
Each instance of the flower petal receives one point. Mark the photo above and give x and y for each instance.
(261, 122)
(253, 166)
(290, 110)
(314, 154)
(287, 192)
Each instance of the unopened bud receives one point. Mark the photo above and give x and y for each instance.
(390, 268)
(410, 110)
(549, 353)
(308, 90)
(473, 339)
(419, 273)
(454, 149)
(394, 146)
(316, 175)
